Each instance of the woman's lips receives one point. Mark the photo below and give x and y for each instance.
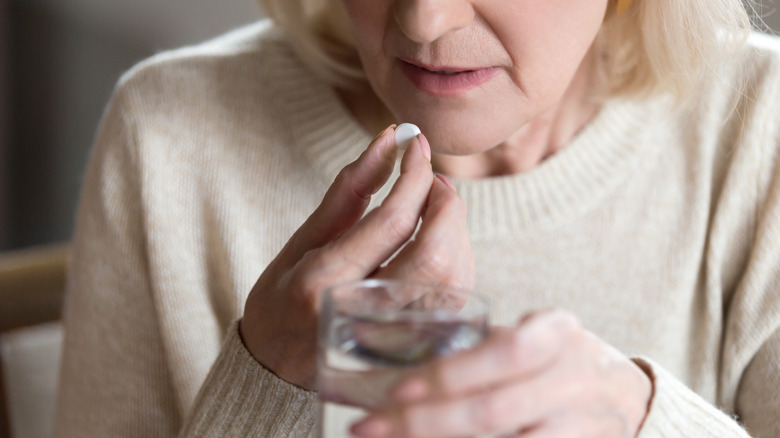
(445, 81)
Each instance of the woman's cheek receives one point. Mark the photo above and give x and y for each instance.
(368, 19)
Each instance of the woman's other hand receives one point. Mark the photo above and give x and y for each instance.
(337, 244)
(546, 377)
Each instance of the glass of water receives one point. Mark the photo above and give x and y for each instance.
(373, 332)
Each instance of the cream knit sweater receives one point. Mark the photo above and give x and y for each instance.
(659, 228)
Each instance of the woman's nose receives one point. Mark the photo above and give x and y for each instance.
(425, 21)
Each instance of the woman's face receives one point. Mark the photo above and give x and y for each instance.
(471, 73)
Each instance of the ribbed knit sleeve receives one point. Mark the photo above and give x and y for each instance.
(241, 398)
(677, 411)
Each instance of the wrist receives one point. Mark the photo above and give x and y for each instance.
(295, 366)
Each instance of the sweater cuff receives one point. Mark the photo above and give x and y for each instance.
(242, 398)
(677, 411)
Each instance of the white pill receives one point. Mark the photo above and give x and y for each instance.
(404, 134)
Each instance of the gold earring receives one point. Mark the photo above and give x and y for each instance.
(623, 5)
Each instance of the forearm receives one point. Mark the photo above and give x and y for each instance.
(241, 398)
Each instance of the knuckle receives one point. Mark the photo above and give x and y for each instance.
(308, 278)
(344, 175)
(490, 413)
(398, 226)
(568, 319)
(348, 180)
(338, 260)
(567, 324)
(610, 424)
(581, 390)
(306, 297)
(432, 262)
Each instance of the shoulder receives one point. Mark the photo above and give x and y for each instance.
(758, 92)
(761, 63)
(244, 46)
(225, 94)
(206, 105)
(734, 123)
(231, 68)
(741, 99)
(763, 46)
(739, 119)
(745, 69)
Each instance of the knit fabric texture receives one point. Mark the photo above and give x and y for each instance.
(658, 226)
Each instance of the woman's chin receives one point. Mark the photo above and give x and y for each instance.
(463, 131)
(458, 139)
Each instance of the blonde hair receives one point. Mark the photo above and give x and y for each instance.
(319, 31)
(656, 46)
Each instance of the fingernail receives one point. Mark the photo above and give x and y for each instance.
(384, 131)
(445, 180)
(412, 390)
(425, 146)
(371, 427)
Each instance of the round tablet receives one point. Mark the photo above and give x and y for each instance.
(404, 134)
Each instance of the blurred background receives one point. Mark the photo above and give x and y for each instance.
(59, 61)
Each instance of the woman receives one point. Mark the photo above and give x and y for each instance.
(617, 160)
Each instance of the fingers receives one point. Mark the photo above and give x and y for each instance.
(359, 251)
(501, 416)
(557, 380)
(508, 407)
(597, 423)
(500, 386)
(509, 354)
(348, 196)
(441, 251)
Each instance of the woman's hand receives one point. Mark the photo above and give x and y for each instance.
(546, 377)
(337, 244)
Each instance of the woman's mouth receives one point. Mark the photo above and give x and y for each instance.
(445, 81)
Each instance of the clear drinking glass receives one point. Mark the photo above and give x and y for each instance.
(372, 332)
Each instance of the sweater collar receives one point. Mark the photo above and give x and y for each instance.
(567, 184)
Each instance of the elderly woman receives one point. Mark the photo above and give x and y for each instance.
(618, 162)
